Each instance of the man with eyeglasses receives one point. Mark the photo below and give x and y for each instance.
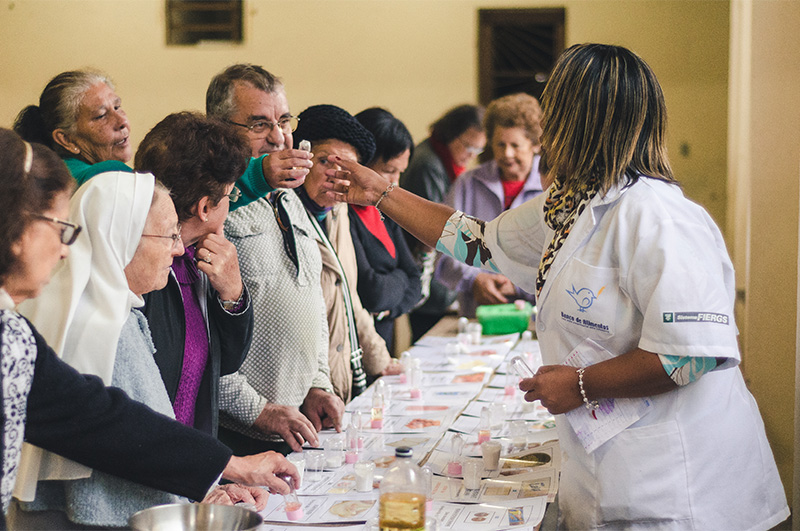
(283, 389)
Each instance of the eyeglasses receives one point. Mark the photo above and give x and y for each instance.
(282, 218)
(175, 237)
(287, 125)
(472, 150)
(235, 194)
(69, 230)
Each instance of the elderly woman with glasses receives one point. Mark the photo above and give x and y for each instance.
(456, 139)
(513, 126)
(80, 117)
(130, 235)
(202, 321)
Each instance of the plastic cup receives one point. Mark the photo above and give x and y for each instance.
(334, 452)
(299, 461)
(519, 433)
(472, 474)
(315, 463)
(365, 472)
(491, 454)
(498, 414)
(475, 331)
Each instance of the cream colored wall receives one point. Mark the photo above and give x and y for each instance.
(415, 57)
(765, 153)
(419, 57)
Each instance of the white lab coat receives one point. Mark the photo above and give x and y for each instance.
(645, 267)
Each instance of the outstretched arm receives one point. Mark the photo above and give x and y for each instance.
(360, 185)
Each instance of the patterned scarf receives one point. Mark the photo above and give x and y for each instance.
(561, 209)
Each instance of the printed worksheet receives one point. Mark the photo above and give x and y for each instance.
(514, 514)
(543, 482)
(474, 379)
(421, 423)
(512, 408)
(349, 508)
(593, 427)
(406, 408)
(459, 363)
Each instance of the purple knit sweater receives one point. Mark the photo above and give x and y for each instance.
(195, 350)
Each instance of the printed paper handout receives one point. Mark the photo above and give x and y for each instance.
(596, 426)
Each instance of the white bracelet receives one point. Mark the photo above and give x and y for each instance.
(384, 194)
(589, 404)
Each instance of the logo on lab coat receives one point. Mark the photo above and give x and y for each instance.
(584, 297)
(695, 317)
(595, 310)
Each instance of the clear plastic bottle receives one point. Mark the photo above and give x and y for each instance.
(415, 379)
(378, 404)
(405, 362)
(403, 496)
(485, 425)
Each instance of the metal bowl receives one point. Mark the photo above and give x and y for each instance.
(195, 517)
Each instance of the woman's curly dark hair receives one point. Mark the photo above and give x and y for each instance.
(23, 194)
(194, 156)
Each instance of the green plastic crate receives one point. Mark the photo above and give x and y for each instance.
(504, 318)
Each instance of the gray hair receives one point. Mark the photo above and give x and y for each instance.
(58, 107)
(219, 96)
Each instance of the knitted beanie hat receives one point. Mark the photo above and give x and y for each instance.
(324, 122)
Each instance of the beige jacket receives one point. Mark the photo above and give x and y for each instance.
(376, 356)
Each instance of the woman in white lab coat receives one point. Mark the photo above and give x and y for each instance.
(635, 294)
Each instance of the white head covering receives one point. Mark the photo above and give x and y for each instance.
(80, 313)
(6, 302)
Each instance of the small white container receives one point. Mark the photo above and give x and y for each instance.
(365, 471)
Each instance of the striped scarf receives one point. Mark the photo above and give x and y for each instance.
(561, 209)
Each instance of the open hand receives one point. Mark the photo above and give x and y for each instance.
(294, 427)
(287, 168)
(490, 288)
(233, 493)
(262, 469)
(323, 409)
(355, 183)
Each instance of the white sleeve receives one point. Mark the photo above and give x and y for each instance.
(517, 239)
(678, 274)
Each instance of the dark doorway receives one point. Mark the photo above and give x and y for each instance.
(517, 50)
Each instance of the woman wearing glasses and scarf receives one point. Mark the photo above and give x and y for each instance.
(512, 177)
(635, 293)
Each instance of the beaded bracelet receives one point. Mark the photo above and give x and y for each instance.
(589, 404)
(384, 194)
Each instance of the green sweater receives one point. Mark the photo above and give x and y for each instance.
(251, 183)
(83, 171)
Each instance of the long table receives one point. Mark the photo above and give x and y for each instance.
(458, 382)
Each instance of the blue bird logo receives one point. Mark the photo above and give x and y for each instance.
(584, 297)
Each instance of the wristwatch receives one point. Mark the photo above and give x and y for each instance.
(229, 306)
